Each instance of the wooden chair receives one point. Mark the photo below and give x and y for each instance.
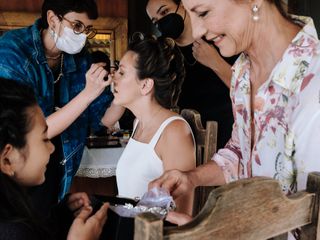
(206, 145)
(248, 209)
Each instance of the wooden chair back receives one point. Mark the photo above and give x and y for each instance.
(206, 138)
(248, 209)
(206, 146)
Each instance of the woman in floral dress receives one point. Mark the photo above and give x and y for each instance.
(275, 92)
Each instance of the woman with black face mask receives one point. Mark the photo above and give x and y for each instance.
(208, 75)
(171, 25)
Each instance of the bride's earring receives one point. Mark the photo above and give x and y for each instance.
(255, 15)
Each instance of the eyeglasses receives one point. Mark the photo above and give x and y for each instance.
(78, 28)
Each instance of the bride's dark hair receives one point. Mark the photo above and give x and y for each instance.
(161, 60)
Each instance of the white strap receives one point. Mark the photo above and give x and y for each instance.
(163, 125)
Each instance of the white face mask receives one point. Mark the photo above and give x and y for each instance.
(69, 42)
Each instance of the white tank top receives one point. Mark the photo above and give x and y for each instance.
(139, 164)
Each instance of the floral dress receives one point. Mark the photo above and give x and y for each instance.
(285, 144)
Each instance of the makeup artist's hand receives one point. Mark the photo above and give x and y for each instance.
(96, 81)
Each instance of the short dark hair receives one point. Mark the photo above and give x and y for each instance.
(99, 56)
(161, 60)
(62, 7)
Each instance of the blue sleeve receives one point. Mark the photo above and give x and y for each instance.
(9, 73)
(13, 62)
(11, 65)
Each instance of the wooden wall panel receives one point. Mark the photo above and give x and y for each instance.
(107, 8)
(113, 8)
(19, 6)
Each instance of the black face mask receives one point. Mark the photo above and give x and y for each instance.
(171, 25)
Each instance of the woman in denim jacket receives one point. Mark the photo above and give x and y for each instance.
(49, 56)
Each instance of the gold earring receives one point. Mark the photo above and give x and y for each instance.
(255, 15)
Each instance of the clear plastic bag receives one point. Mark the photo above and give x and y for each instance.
(157, 201)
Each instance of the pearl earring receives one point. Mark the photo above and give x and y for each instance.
(255, 15)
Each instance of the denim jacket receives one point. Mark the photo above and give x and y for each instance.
(22, 58)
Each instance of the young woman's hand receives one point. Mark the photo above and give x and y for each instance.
(76, 201)
(88, 228)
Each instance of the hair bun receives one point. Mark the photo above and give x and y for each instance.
(161, 60)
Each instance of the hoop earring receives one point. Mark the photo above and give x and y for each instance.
(255, 15)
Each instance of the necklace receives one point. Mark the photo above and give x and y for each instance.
(190, 64)
(55, 57)
(60, 74)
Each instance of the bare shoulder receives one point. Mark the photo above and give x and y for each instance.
(177, 128)
(176, 146)
(177, 134)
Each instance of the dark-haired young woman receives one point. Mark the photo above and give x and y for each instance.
(24, 154)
